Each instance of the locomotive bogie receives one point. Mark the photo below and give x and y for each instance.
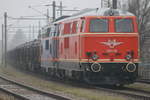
(111, 73)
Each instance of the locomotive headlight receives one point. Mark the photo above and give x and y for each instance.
(131, 67)
(88, 54)
(96, 67)
(128, 57)
(92, 55)
(95, 57)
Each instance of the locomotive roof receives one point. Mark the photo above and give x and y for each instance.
(97, 12)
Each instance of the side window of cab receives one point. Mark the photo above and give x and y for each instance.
(82, 28)
(74, 27)
(57, 30)
(52, 31)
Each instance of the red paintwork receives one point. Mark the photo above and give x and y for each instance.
(92, 43)
(74, 46)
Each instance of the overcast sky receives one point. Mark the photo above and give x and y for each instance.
(20, 7)
(17, 8)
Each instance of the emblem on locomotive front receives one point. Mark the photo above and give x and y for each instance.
(112, 43)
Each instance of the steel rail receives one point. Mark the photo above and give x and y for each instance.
(144, 81)
(128, 93)
(13, 94)
(33, 89)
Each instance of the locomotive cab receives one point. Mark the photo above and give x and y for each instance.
(110, 49)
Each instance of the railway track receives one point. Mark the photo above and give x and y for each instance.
(24, 92)
(135, 94)
(144, 81)
(131, 93)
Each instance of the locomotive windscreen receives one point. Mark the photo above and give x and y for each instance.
(98, 25)
(124, 25)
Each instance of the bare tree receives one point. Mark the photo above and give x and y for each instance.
(18, 38)
(141, 8)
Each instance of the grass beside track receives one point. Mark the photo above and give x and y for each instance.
(75, 92)
(4, 96)
(140, 86)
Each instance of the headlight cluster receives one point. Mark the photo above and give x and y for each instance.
(92, 55)
(129, 55)
(95, 57)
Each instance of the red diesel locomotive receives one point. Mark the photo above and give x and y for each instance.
(99, 46)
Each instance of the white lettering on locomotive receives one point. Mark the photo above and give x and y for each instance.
(112, 43)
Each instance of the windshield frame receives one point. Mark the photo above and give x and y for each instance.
(108, 24)
(133, 27)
